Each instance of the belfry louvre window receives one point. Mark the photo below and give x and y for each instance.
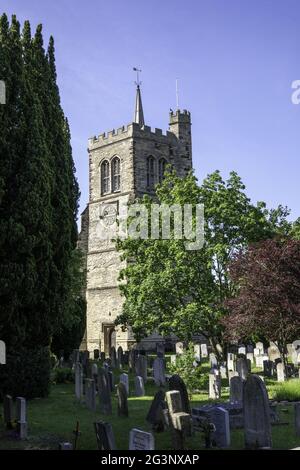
(116, 174)
(161, 169)
(104, 177)
(150, 172)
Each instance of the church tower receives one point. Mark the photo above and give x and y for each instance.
(123, 164)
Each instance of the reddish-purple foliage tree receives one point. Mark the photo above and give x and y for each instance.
(267, 303)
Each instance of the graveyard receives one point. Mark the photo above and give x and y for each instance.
(69, 414)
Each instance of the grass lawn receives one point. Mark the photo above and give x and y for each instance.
(51, 420)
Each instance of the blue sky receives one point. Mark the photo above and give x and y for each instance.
(235, 60)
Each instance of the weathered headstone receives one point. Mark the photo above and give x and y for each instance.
(155, 414)
(223, 371)
(256, 409)
(280, 372)
(214, 384)
(111, 379)
(120, 356)
(141, 440)
(231, 361)
(113, 357)
(125, 380)
(139, 386)
(250, 357)
(90, 394)
(159, 371)
(256, 352)
(260, 346)
(204, 351)
(242, 367)
(180, 422)
(21, 417)
(213, 360)
(122, 400)
(104, 391)
(242, 349)
(8, 411)
(173, 358)
(105, 436)
(78, 381)
(273, 352)
(141, 367)
(197, 352)
(219, 417)
(179, 347)
(268, 368)
(176, 383)
(236, 390)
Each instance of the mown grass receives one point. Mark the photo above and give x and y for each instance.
(52, 420)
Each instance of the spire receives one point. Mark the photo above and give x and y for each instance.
(138, 111)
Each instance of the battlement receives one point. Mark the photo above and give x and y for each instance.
(131, 130)
(180, 116)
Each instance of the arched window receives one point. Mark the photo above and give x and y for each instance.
(115, 174)
(104, 177)
(150, 172)
(161, 169)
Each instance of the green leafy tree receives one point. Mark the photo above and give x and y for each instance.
(173, 290)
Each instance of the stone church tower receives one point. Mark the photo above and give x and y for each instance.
(123, 164)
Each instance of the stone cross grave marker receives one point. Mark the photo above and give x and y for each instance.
(141, 440)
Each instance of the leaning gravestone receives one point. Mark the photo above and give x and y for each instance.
(125, 380)
(256, 409)
(105, 436)
(236, 390)
(159, 371)
(176, 383)
(219, 417)
(122, 400)
(155, 414)
(104, 391)
(141, 440)
(139, 386)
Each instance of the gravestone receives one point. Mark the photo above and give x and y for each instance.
(232, 373)
(125, 380)
(90, 394)
(122, 400)
(214, 384)
(111, 379)
(176, 383)
(219, 417)
(104, 392)
(242, 367)
(268, 368)
(78, 381)
(96, 354)
(21, 417)
(280, 372)
(141, 440)
(250, 357)
(231, 361)
(260, 346)
(204, 351)
(179, 421)
(94, 372)
(141, 367)
(173, 359)
(179, 347)
(2, 352)
(242, 349)
(249, 348)
(236, 390)
(159, 371)
(105, 436)
(297, 418)
(8, 411)
(256, 409)
(139, 386)
(259, 360)
(113, 357)
(273, 352)
(223, 371)
(256, 352)
(120, 356)
(213, 360)
(155, 414)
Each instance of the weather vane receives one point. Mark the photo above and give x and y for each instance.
(138, 71)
